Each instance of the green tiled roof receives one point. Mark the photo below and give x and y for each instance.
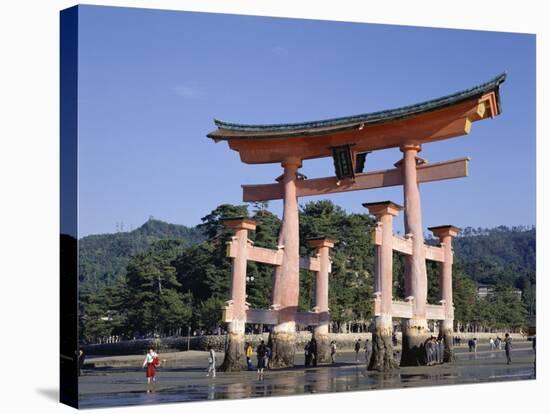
(343, 123)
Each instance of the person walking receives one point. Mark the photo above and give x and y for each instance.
(491, 344)
(211, 362)
(429, 351)
(508, 348)
(306, 355)
(313, 351)
(333, 351)
(475, 345)
(81, 358)
(260, 354)
(248, 353)
(367, 351)
(151, 362)
(357, 349)
(267, 356)
(441, 350)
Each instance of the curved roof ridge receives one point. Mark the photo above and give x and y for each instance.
(377, 116)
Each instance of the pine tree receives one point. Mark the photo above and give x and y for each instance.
(464, 295)
(351, 289)
(259, 288)
(154, 303)
(205, 271)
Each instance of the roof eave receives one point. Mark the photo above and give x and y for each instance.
(227, 131)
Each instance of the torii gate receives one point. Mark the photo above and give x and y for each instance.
(348, 140)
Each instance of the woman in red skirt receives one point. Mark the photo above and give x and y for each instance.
(152, 361)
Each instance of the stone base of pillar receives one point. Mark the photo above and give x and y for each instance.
(283, 342)
(382, 358)
(323, 347)
(415, 334)
(446, 331)
(234, 355)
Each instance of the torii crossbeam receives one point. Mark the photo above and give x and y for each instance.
(376, 179)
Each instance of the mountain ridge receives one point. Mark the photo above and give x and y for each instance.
(103, 257)
(489, 256)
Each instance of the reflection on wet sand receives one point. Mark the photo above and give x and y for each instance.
(191, 385)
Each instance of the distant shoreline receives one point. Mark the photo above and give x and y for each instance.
(344, 341)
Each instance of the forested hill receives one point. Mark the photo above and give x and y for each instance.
(502, 255)
(103, 257)
(489, 256)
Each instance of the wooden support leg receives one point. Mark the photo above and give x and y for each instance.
(286, 285)
(446, 235)
(320, 332)
(415, 330)
(382, 358)
(236, 307)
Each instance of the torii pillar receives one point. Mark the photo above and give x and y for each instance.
(446, 235)
(286, 280)
(236, 306)
(320, 332)
(382, 350)
(415, 329)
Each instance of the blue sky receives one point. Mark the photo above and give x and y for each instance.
(151, 82)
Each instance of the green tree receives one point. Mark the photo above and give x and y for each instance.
(433, 270)
(259, 289)
(103, 258)
(398, 276)
(508, 312)
(212, 226)
(350, 291)
(208, 313)
(101, 312)
(154, 303)
(464, 295)
(205, 271)
(527, 284)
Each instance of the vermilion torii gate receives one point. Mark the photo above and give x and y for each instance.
(348, 140)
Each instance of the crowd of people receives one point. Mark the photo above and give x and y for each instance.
(434, 347)
(263, 356)
(496, 344)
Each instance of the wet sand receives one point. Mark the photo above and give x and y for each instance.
(121, 381)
